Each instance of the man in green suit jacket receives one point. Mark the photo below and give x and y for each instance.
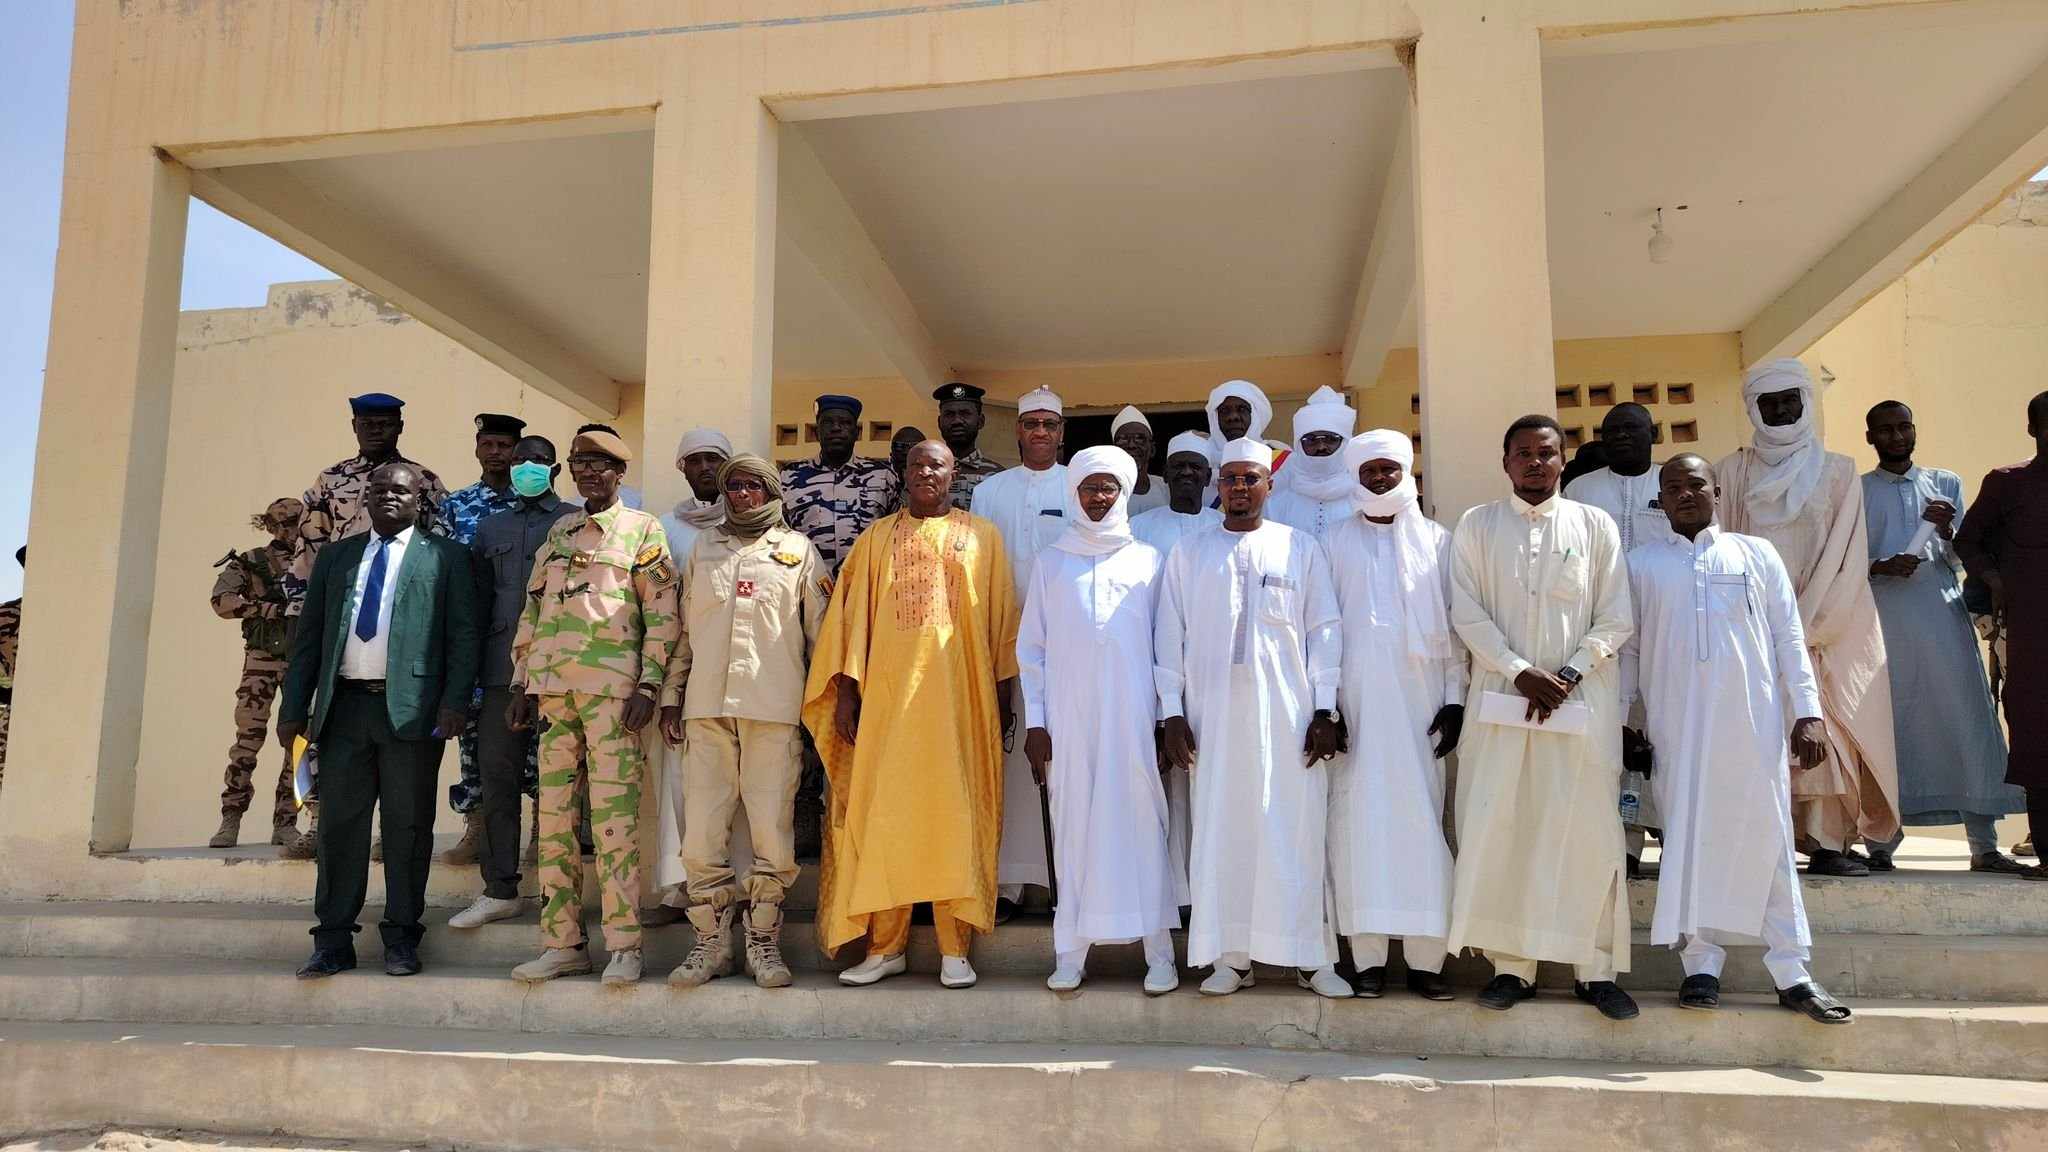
(382, 666)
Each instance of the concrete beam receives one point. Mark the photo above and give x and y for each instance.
(421, 139)
(826, 230)
(271, 200)
(1386, 285)
(1993, 155)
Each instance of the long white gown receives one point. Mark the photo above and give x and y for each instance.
(1247, 646)
(1719, 656)
(1305, 513)
(1084, 658)
(1390, 867)
(1163, 528)
(1029, 509)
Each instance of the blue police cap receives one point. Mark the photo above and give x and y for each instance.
(833, 400)
(370, 402)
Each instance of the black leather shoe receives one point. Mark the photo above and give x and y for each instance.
(326, 962)
(1608, 997)
(1828, 862)
(1429, 985)
(401, 959)
(1371, 984)
(1504, 992)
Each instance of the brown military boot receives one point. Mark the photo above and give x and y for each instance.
(296, 846)
(466, 849)
(230, 832)
(764, 946)
(711, 956)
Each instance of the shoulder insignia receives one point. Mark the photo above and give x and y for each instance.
(825, 587)
(663, 573)
(649, 555)
(786, 559)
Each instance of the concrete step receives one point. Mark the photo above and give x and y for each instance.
(1987, 1041)
(605, 1093)
(1986, 968)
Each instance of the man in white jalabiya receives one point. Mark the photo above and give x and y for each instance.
(1719, 656)
(1190, 476)
(1314, 490)
(1028, 505)
(1131, 432)
(1084, 659)
(698, 457)
(1249, 652)
(1238, 410)
(1403, 701)
(1539, 594)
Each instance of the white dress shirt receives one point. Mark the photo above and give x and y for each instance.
(364, 659)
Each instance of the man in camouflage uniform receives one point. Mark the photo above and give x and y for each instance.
(496, 436)
(593, 642)
(10, 640)
(250, 589)
(960, 422)
(334, 504)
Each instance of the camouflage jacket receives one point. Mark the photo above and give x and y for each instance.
(463, 510)
(334, 510)
(10, 640)
(833, 506)
(250, 588)
(600, 608)
(969, 471)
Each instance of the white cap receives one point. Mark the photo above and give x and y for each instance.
(1246, 449)
(1130, 415)
(1040, 400)
(1194, 443)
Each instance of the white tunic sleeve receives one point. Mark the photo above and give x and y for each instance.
(1031, 649)
(1613, 618)
(1323, 621)
(1788, 634)
(1471, 545)
(1168, 637)
(1455, 675)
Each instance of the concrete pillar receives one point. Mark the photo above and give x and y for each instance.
(710, 275)
(1483, 265)
(77, 721)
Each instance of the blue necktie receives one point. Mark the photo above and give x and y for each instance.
(373, 593)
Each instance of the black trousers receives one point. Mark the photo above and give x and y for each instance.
(500, 764)
(365, 767)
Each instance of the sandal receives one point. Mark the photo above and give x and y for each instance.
(1701, 991)
(1812, 1001)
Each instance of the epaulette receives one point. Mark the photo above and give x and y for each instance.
(228, 559)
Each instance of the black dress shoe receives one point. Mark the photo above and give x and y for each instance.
(1608, 997)
(326, 962)
(401, 959)
(1879, 860)
(1828, 862)
(1429, 985)
(1504, 992)
(1371, 984)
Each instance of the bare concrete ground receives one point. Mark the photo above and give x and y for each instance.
(181, 1140)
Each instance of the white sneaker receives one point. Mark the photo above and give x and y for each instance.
(485, 910)
(956, 972)
(1065, 979)
(875, 969)
(552, 963)
(1326, 983)
(1225, 980)
(1161, 979)
(624, 968)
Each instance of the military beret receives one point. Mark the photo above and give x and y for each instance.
(833, 400)
(374, 402)
(498, 424)
(958, 391)
(604, 443)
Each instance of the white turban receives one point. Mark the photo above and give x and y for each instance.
(1792, 455)
(1194, 443)
(1085, 537)
(701, 439)
(1130, 415)
(1321, 477)
(1245, 449)
(1416, 558)
(1381, 444)
(1245, 390)
(1040, 400)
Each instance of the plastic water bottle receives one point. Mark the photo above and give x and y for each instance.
(1631, 805)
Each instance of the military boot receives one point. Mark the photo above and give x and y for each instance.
(466, 849)
(764, 946)
(230, 832)
(711, 956)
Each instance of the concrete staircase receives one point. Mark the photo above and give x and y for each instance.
(188, 1015)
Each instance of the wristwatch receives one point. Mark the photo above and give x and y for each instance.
(1570, 675)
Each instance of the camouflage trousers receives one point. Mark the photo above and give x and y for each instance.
(262, 673)
(464, 794)
(586, 748)
(4, 710)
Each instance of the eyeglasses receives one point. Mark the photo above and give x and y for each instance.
(591, 463)
(1112, 491)
(1239, 481)
(746, 485)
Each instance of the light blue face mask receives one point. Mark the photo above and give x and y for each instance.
(530, 479)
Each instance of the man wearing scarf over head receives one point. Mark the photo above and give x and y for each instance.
(754, 593)
(1403, 696)
(1314, 492)
(1084, 659)
(1237, 410)
(1807, 502)
(702, 452)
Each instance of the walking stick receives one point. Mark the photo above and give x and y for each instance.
(1052, 872)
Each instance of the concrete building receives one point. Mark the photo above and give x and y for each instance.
(668, 214)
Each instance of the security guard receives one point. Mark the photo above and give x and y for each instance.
(835, 495)
(250, 588)
(960, 422)
(753, 596)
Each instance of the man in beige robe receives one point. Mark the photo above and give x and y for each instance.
(1787, 488)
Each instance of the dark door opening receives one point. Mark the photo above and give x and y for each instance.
(1089, 431)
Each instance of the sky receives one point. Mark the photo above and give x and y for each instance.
(227, 265)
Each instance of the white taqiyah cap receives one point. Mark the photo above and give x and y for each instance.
(1040, 400)
(1247, 449)
(1130, 415)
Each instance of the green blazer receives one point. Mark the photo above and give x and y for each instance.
(434, 642)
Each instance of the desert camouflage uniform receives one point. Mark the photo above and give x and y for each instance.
(250, 589)
(10, 639)
(832, 506)
(599, 625)
(334, 511)
(460, 514)
(969, 471)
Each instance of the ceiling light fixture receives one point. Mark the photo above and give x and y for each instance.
(1660, 240)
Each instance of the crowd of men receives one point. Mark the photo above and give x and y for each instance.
(1219, 697)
